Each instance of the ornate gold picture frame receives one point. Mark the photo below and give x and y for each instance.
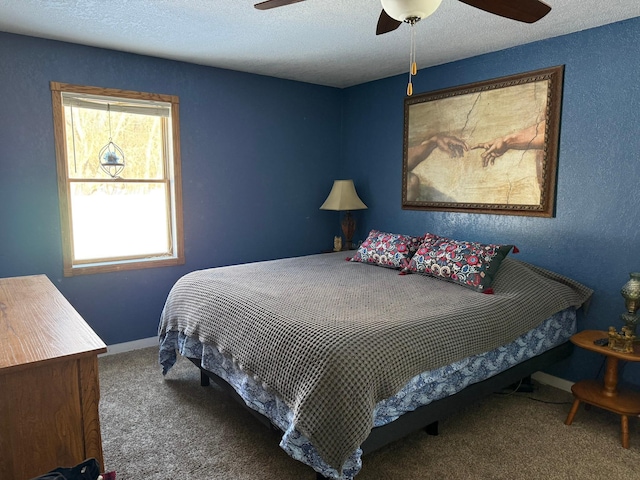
(486, 147)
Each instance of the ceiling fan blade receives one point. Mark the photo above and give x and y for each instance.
(386, 23)
(275, 3)
(528, 11)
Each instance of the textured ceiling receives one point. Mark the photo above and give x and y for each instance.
(327, 42)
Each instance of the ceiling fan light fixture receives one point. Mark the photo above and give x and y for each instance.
(402, 10)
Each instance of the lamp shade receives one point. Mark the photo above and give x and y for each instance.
(343, 196)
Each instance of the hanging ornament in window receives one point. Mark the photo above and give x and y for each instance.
(111, 155)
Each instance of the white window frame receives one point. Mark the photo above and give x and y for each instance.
(173, 177)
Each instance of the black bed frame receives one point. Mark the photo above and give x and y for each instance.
(427, 416)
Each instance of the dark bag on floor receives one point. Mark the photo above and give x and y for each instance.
(87, 470)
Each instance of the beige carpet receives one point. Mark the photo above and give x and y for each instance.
(163, 428)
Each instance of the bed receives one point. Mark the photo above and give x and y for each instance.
(344, 357)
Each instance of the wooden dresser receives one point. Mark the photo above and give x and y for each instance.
(49, 388)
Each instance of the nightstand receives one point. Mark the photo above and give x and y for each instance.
(607, 394)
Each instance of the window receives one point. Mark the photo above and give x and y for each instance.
(113, 217)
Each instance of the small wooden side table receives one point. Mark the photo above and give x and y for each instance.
(606, 395)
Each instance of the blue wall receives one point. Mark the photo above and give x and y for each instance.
(595, 235)
(259, 156)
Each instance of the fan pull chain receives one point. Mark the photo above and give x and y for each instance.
(413, 68)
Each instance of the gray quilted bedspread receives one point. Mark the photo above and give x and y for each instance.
(332, 338)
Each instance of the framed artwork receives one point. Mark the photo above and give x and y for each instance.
(487, 147)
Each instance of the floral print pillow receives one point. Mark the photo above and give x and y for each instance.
(387, 249)
(470, 264)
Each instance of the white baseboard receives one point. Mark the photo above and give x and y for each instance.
(129, 346)
(556, 382)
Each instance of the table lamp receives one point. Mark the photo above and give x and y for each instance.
(343, 198)
(631, 293)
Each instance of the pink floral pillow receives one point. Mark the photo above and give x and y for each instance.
(470, 264)
(387, 249)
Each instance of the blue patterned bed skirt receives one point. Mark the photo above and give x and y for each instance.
(421, 390)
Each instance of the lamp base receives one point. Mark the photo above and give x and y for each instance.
(348, 228)
(630, 321)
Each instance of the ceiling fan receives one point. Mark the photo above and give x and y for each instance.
(395, 12)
